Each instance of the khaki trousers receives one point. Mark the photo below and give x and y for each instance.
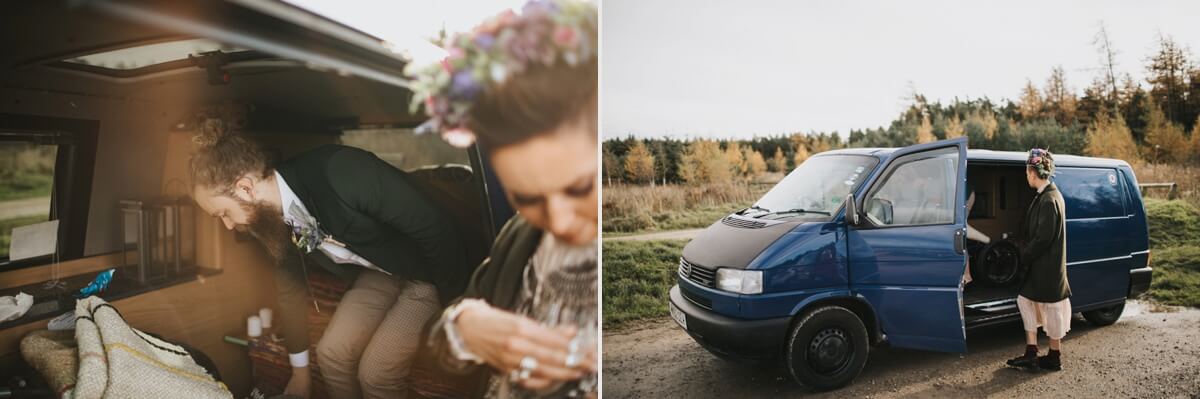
(372, 339)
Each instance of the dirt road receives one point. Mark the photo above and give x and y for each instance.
(24, 207)
(1150, 352)
(661, 235)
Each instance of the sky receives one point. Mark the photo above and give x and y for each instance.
(408, 24)
(722, 69)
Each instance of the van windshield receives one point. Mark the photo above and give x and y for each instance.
(816, 188)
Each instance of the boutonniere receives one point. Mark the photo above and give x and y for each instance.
(308, 234)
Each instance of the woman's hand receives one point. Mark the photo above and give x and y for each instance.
(502, 339)
(300, 384)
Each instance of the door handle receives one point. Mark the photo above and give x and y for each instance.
(960, 240)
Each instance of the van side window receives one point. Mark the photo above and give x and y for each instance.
(918, 190)
(1091, 192)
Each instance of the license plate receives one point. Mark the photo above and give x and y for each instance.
(678, 316)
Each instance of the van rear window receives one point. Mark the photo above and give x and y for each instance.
(1091, 192)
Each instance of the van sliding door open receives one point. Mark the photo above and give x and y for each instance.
(906, 255)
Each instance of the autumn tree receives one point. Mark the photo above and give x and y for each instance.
(1030, 104)
(1109, 137)
(1131, 103)
(1059, 98)
(1167, 75)
(1164, 138)
(819, 145)
(954, 127)
(778, 163)
(704, 162)
(800, 144)
(639, 163)
(755, 164)
(981, 125)
(925, 132)
(735, 158)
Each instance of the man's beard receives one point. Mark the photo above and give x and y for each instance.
(265, 223)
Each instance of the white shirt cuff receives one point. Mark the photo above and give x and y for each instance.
(457, 347)
(298, 359)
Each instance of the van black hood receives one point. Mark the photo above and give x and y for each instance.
(734, 241)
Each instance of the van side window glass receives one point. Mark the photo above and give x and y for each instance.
(26, 178)
(918, 190)
(407, 150)
(1090, 192)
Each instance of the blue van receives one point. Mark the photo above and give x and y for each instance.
(858, 247)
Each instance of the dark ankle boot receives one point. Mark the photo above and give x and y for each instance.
(1028, 361)
(1051, 361)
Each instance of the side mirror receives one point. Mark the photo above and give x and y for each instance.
(851, 210)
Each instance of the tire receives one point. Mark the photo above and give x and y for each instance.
(827, 348)
(997, 264)
(1106, 316)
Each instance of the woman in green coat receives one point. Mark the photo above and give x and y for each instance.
(526, 326)
(1044, 300)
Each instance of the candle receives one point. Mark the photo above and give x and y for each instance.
(254, 326)
(265, 314)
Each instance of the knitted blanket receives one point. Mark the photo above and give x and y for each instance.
(118, 361)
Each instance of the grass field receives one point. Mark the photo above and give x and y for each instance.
(28, 185)
(632, 208)
(638, 274)
(1174, 251)
(6, 227)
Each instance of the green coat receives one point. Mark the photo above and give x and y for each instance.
(498, 280)
(1044, 252)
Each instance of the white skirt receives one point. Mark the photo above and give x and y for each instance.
(1054, 317)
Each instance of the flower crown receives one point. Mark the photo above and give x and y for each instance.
(1042, 161)
(545, 32)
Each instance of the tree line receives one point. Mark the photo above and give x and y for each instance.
(1114, 117)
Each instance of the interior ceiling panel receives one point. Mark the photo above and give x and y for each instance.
(36, 33)
(28, 37)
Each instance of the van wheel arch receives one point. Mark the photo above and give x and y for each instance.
(856, 305)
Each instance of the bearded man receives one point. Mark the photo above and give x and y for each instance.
(351, 213)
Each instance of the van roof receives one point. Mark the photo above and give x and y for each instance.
(989, 155)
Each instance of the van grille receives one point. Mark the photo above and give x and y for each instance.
(743, 223)
(697, 274)
(696, 299)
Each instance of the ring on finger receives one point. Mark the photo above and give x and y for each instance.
(573, 345)
(528, 363)
(572, 360)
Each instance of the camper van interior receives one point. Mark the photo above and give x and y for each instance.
(1001, 198)
(98, 104)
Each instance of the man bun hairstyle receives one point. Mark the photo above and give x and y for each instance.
(221, 155)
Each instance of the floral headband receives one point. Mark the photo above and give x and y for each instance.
(545, 32)
(1042, 161)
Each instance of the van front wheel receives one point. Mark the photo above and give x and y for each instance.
(827, 348)
(1106, 316)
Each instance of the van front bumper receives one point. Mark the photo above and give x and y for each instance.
(731, 337)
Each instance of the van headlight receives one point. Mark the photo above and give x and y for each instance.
(739, 281)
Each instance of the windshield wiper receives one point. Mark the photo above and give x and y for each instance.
(759, 208)
(798, 210)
